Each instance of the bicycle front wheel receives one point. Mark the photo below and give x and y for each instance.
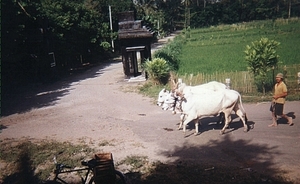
(120, 178)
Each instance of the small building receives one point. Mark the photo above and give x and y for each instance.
(135, 42)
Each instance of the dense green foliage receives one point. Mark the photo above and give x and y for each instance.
(40, 32)
(45, 39)
(171, 52)
(165, 15)
(232, 11)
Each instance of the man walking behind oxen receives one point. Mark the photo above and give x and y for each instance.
(278, 101)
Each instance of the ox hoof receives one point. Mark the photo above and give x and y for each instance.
(246, 129)
(196, 133)
(221, 132)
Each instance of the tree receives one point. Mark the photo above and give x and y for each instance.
(262, 57)
(73, 31)
(19, 27)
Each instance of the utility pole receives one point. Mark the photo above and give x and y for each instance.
(290, 6)
(111, 29)
(187, 14)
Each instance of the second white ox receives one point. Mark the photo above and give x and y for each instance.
(207, 102)
(182, 88)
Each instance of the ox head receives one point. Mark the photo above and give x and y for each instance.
(161, 97)
(170, 102)
(178, 88)
(175, 85)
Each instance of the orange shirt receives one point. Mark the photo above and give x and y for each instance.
(280, 89)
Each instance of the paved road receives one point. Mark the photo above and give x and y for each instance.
(94, 106)
(262, 148)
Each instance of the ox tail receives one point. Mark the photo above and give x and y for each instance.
(242, 108)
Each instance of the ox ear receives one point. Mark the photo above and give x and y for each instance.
(165, 90)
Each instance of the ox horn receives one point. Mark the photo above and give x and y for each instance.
(175, 85)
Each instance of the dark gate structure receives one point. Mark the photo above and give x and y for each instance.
(135, 41)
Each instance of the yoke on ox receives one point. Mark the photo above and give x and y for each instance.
(195, 106)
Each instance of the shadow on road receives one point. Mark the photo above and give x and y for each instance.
(210, 123)
(284, 121)
(219, 161)
(25, 98)
(22, 99)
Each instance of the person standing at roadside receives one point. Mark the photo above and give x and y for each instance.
(280, 92)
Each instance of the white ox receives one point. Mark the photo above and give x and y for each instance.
(181, 89)
(195, 106)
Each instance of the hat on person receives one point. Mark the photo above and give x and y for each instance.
(279, 75)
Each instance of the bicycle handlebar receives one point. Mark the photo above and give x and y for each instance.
(91, 163)
(60, 167)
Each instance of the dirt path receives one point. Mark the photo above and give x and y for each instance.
(94, 106)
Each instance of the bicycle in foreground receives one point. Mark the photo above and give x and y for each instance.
(96, 171)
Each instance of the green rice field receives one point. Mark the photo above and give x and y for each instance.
(221, 48)
(217, 53)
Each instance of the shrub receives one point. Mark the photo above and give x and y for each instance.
(167, 56)
(105, 45)
(171, 52)
(158, 70)
(262, 57)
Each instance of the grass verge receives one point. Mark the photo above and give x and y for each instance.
(30, 161)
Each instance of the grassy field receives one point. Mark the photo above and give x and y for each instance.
(217, 53)
(221, 48)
